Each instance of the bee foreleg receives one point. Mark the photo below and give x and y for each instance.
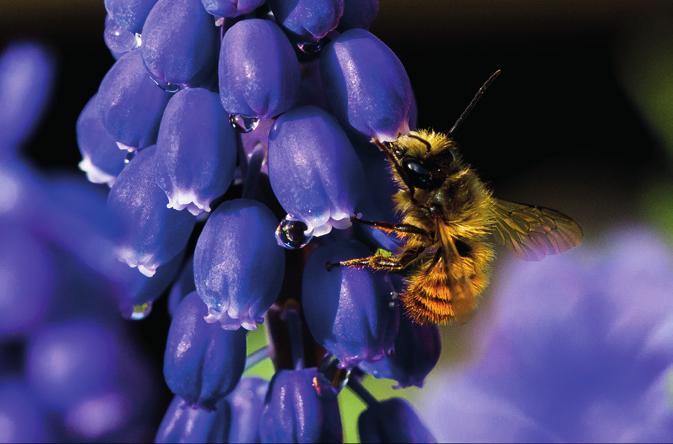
(387, 227)
(381, 261)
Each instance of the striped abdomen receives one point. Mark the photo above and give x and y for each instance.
(447, 291)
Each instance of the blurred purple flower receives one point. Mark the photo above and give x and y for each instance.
(185, 423)
(247, 405)
(22, 419)
(26, 72)
(578, 347)
(392, 420)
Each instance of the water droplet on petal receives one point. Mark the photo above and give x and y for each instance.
(242, 123)
(292, 234)
(118, 39)
(310, 48)
(129, 157)
(331, 378)
(166, 86)
(142, 311)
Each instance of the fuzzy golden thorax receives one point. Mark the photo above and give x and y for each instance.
(450, 192)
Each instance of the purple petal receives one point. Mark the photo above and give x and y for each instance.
(130, 103)
(196, 150)
(367, 86)
(155, 234)
(348, 311)
(238, 267)
(313, 169)
(258, 71)
(179, 43)
(203, 362)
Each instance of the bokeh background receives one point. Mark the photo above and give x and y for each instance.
(581, 119)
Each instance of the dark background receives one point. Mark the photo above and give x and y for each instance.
(555, 129)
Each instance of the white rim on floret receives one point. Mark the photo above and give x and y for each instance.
(95, 174)
(145, 264)
(187, 199)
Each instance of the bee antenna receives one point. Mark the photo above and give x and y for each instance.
(428, 147)
(474, 101)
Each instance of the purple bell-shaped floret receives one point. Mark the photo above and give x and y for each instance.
(102, 160)
(179, 43)
(203, 362)
(26, 72)
(392, 420)
(185, 423)
(359, 13)
(258, 71)
(231, 8)
(238, 267)
(416, 352)
(350, 312)
(367, 86)
(313, 169)
(296, 412)
(247, 404)
(129, 14)
(309, 20)
(23, 418)
(28, 281)
(155, 234)
(196, 150)
(130, 103)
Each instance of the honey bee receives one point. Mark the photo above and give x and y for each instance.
(450, 221)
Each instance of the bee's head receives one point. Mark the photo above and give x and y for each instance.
(425, 158)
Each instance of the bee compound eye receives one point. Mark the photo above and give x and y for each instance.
(417, 173)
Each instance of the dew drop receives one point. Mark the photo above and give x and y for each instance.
(129, 157)
(331, 378)
(242, 123)
(166, 86)
(310, 48)
(292, 234)
(140, 312)
(118, 39)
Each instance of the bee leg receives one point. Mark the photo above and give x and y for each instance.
(392, 228)
(381, 262)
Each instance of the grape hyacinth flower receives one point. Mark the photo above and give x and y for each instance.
(130, 103)
(258, 71)
(203, 362)
(179, 45)
(196, 151)
(349, 312)
(308, 20)
(289, 173)
(155, 233)
(296, 412)
(392, 420)
(102, 160)
(577, 348)
(313, 170)
(187, 423)
(26, 73)
(236, 246)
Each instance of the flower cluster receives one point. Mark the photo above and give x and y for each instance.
(578, 348)
(232, 134)
(68, 371)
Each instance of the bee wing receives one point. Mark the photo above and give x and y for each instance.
(533, 232)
